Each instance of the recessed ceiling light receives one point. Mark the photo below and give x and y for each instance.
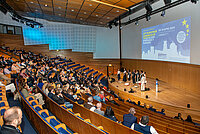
(31, 2)
(97, 15)
(59, 14)
(90, 4)
(45, 5)
(108, 17)
(72, 10)
(117, 11)
(84, 12)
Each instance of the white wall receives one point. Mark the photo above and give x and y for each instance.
(131, 34)
(107, 43)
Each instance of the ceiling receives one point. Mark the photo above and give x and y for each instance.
(89, 12)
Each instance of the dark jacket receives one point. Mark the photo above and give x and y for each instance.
(8, 129)
(59, 100)
(129, 119)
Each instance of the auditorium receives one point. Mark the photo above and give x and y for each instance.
(99, 67)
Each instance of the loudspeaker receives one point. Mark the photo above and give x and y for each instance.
(167, 1)
(2, 9)
(124, 89)
(188, 105)
(148, 8)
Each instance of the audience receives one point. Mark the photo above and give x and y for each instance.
(142, 126)
(129, 119)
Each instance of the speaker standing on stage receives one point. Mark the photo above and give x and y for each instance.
(124, 76)
(133, 76)
(118, 74)
(129, 75)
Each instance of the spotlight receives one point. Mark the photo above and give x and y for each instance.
(15, 19)
(148, 17)
(110, 26)
(136, 22)
(115, 23)
(163, 13)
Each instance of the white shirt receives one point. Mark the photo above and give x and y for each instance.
(152, 129)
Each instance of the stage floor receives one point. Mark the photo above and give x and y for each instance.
(168, 94)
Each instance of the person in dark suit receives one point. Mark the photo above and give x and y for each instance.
(12, 119)
(129, 119)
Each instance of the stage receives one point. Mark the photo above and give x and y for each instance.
(167, 95)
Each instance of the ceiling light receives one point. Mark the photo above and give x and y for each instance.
(36, 10)
(72, 10)
(45, 5)
(59, 14)
(108, 17)
(117, 11)
(31, 2)
(59, 7)
(81, 18)
(97, 15)
(84, 12)
(90, 4)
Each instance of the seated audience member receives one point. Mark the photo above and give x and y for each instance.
(58, 98)
(40, 83)
(6, 70)
(98, 109)
(113, 101)
(161, 112)
(151, 108)
(102, 95)
(89, 104)
(97, 97)
(12, 119)
(51, 91)
(178, 117)
(132, 102)
(129, 119)
(88, 92)
(109, 113)
(142, 126)
(189, 119)
(3, 77)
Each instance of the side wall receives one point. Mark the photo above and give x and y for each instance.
(86, 58)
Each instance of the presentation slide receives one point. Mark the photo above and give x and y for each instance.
(167, 42)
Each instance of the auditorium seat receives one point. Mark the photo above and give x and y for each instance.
(38, 107)
(52, 120)
(33, 102)
(29, 98)
(44, 113)
(3, 103)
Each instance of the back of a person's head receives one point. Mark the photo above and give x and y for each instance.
(90, 99)
(132, 110)
(11, 114)
(109, 111)
(144, 120)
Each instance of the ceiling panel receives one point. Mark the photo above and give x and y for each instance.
(85, 11)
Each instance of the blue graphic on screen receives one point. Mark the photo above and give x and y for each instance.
(167, 42)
